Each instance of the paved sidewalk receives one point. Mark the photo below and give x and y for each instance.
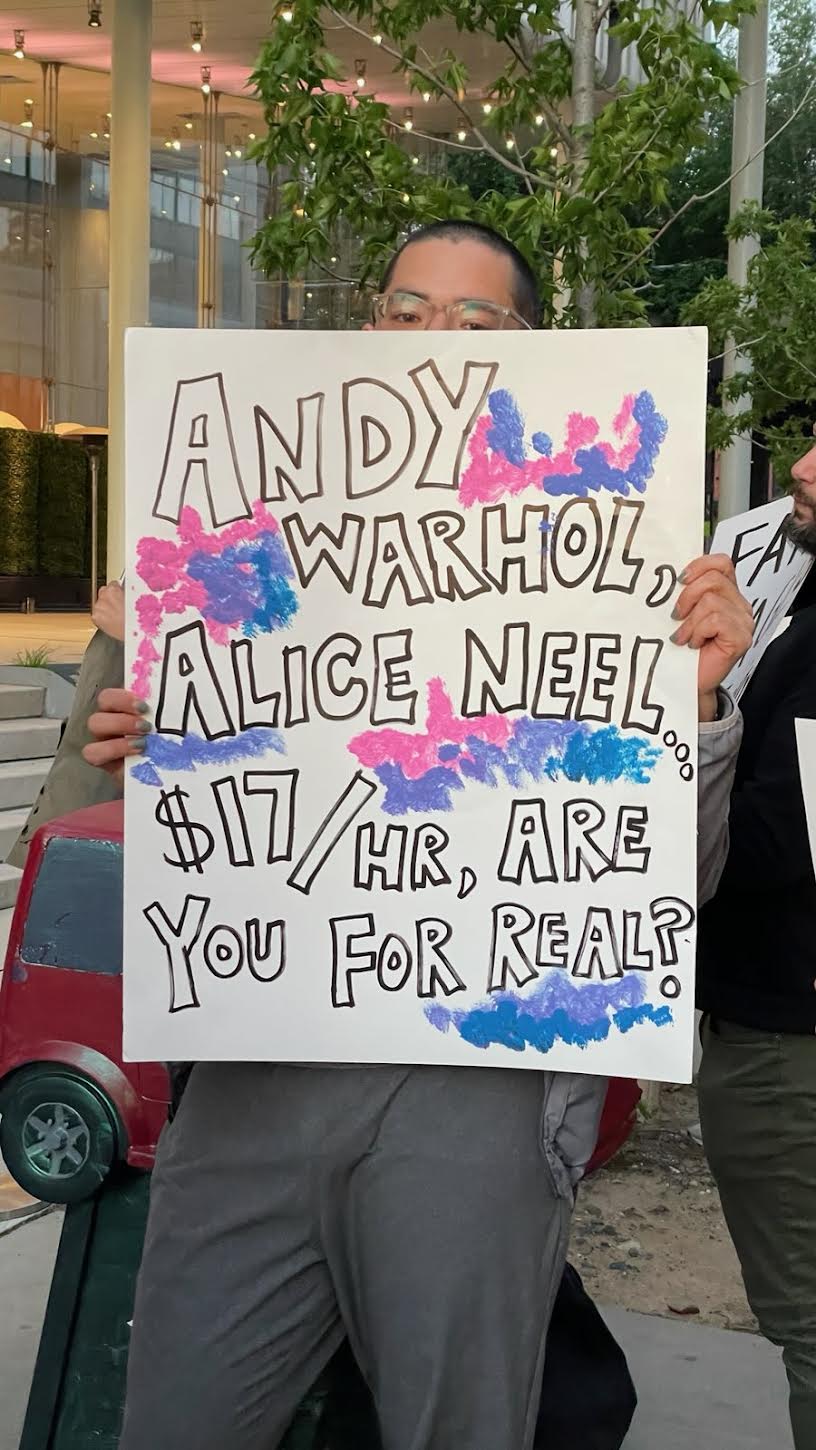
(697, 1386)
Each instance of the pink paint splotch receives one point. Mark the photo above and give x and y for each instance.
(234, 578)
(501, 465)
(416, 754)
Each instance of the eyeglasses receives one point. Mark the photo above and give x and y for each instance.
(405, 312)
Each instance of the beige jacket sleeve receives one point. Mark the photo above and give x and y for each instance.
(718, 744)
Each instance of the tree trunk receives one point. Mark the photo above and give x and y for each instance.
(583, 119)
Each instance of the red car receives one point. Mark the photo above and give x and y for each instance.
(70, 1107)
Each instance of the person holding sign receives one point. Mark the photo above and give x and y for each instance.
(423, 1211)
(757, 988)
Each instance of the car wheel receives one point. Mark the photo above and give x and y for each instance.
(57, 1137)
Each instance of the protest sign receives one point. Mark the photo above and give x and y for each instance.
(806, 750)
(422, 783)
(770, 572)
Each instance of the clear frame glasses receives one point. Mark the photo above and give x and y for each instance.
(405, 312)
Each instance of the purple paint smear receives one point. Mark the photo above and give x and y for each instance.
(500, 463)
(555, 1011)
(166, 752)
(421, 771)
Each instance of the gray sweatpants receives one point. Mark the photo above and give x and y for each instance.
(422, 1211)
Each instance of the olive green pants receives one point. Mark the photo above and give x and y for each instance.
(758, 1116)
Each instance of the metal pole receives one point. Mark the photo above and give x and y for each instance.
(93, 455)
(129, 260)
(747, 166)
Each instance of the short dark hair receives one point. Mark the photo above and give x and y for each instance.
(526, 296)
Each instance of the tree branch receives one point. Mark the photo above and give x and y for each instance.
(451, 96)
(549, 111)
(706, 195)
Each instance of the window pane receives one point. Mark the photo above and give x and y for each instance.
(75, 915)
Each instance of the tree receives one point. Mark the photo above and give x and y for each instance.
(695, 248)
(584, 183)
(773, 323)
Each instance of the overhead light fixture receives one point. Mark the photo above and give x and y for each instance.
(237, 148)
(408, 118)
(175, 139)
(168, 143)
(251, 136)
(94, 135)
(206, 75)
(19, 45)
(225, 172)
(487, 107)
(287, 13)
(461, 134)
(106, 127)
(94, 15)
(197, 36)
(228, 151)
(28, 114)
(360, 73)
(377, 38)
(426, 96)
(188, 125)
(236, 199)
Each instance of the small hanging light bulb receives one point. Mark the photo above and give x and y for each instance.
(426, 96)
(553, 152)
(487, 107)
(236, 147)
(461, 134)
(509, 143)
(360, 73)
(414, 160)
(287, 14)
(188, 125)
(94, 15)
(539, 120)
(408, 118)
(28, 114)
(175, 139)
(251, 136)
(197, 36)
(377, 38)
(206, 78)
(19, 45)
(406, 198)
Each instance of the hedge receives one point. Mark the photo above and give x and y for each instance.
(45, 514)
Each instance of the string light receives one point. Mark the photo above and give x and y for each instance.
(414, 160)
(236, 146)
(406, 198)
(206, 75)
(28, 114)
(94, 15)
(94, 135)
(426, 96)
(539, 120)
(487, 107)
(509, 143)
(251, 136)
(312, 145)
(360, 72)
(225, 172)
(236, 199)
(175, 139)
(188, 125)
(332, 259)
(408, 118)
(19, 45)
(377, 38)
(553, 152)
(287, 13)
(197, 36)
(461, 134)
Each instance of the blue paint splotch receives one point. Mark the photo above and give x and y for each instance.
(557, 1010)
(500, 464)
(247, 584)
(187, 752)
(424, 771)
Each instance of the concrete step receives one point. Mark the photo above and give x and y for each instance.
(21, 781)
(21, 702)
(28, 739)
(9, 882)
(11, 824)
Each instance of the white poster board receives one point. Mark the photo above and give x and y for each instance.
(806, 750)
(422, 784)
(770, 572)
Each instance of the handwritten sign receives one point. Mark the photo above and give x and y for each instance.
(770, 572)
(806, 750)
(421, 786)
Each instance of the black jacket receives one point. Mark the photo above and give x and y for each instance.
(757, 937)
